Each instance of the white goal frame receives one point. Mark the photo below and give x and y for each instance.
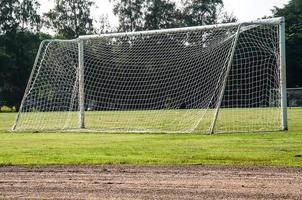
(272, 21)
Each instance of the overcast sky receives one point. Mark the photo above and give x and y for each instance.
(244, 10)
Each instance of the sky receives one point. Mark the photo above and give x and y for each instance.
(248, 10)
(244, 10)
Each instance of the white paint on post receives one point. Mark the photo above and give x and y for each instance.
(81, 84)
(283, 74)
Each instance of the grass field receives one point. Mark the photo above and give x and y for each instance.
(277, 148)
(156, 121)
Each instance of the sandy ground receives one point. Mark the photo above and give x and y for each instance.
(149, 182)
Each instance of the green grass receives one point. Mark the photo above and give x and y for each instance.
(277, 148)
(180, 121)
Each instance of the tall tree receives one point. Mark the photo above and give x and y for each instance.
(18, 45)
(8, 21)
(28, 16)
(161, 14)
(201, 12)
(130, 14)
(17, 54)
(137, 15)
(70, 18)
(226, 17)
(293, 15)
(19, 15)
(103, 25)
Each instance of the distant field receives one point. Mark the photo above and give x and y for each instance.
(277, 148)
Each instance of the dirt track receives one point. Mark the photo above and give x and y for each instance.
(150, 182)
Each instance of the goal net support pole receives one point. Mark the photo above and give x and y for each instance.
(216, 113)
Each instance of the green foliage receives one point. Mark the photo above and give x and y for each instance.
(70, 18)
(293, 15)
(228, 17)
(20, 38)
(19, 15)
(17, 54)
(8, 21)
(201, 12)
(6, 61)
(137, 15)
(28, 16)
(130, 14)
(18, 45)
(161, 14)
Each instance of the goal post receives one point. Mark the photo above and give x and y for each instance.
(81, 85)
(216, 78)
(283, 74)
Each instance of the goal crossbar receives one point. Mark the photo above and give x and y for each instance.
(270, 21)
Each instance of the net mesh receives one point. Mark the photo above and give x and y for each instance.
(167, 81)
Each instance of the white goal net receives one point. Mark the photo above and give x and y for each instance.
(198, 79)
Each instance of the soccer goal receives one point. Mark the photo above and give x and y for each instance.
(206, 79)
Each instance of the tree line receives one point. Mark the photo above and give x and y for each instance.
(22, 29)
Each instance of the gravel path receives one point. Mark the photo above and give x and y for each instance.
(149, 182)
